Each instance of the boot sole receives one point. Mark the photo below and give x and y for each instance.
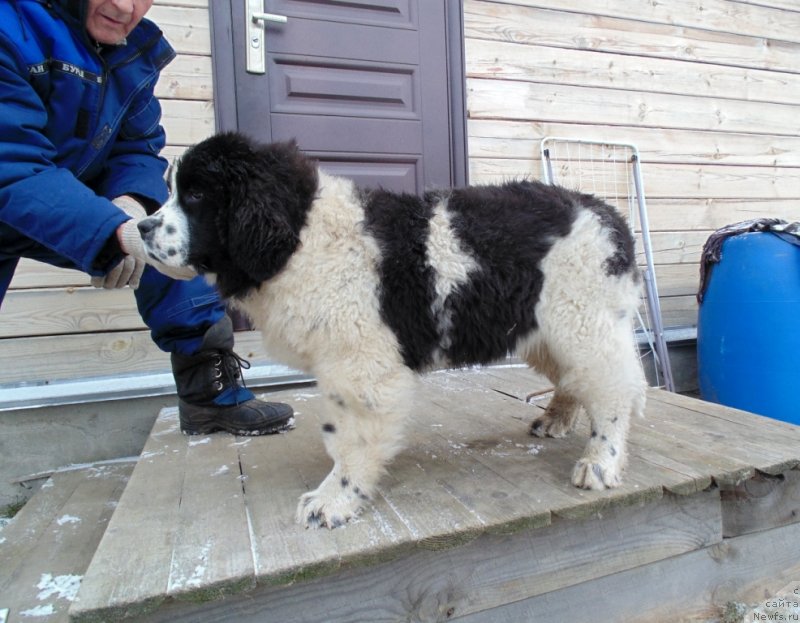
(206, 426)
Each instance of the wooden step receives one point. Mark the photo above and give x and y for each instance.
(47, 547)
(475, 520)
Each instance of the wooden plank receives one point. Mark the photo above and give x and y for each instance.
(750, 442)
(45, 581)
(577, 104)
(679, 311)
(699, 582)
(729, 415)
(761, 503)
(688, 465)
(683, 470)
(72, 310)
(211, 553)
(130, 571)
(33, 274)
(187, 28)
(188, 77)
(533, 63)
(692, 181)
(191, 3)
(486, 573)
(711, 214)
(468, 440)
(187, 122)
(283, 550)
(677, 247)
(498, 138)
(45, 359)
(49, 358)
(500, 502)
(678, 279)
(713, 15)
(500, 435)
(789, 5)
(578, 29)
(20, 537)
(419, 497)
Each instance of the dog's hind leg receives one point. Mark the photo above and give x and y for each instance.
(606, 377)
(562, 413)
(559, 418)
(363, 431)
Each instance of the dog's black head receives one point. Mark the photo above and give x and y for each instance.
(235, 210)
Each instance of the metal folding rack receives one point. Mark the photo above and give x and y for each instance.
(594, 167)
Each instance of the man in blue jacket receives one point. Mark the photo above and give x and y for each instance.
(80, 138)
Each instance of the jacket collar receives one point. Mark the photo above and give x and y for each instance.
(75, 8)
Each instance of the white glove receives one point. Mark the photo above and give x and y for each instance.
(129, 270)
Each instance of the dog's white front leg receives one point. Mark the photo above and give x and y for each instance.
(362, 433)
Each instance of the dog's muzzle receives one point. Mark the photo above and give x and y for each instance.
(147, 227)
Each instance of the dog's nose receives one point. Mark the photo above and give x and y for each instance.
(147, 225)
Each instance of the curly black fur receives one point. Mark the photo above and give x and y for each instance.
(259, 196)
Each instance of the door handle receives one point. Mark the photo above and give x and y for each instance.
(269, 17)
(256, 46)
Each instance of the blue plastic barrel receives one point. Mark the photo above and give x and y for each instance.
(748, 333)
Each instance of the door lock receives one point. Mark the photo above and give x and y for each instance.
(255, 28)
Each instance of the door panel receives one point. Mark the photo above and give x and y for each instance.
(349, 134)
(362, 85)
(391, 13)
(307, 86)
(372, 171)
(339, 40)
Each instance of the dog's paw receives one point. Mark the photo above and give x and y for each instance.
(591, 475)
(548, 426)
(328, 508)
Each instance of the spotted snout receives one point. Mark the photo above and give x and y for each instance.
(164, 239)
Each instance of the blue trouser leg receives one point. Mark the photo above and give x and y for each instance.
(178, 313)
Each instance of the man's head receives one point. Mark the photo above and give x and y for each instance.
(110, 21)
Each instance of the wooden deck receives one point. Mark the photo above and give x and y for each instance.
(45, 551)
(475, 521)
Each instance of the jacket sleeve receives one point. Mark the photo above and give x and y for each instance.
(134, 166)
(40, 200)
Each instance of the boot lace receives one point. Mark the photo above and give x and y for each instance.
(228, 368)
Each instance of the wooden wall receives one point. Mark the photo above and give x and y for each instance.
(708, 90)
(53, 324)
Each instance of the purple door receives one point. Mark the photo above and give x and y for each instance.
(371, 88)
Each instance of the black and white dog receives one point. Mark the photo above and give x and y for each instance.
(365, 288)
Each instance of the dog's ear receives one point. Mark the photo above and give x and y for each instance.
(271, 192)
(260, 237)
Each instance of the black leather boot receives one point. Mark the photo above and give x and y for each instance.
(212, 395)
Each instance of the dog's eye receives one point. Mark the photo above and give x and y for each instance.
(193, 196)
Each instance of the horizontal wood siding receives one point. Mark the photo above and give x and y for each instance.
(53, 324)
(707, 91)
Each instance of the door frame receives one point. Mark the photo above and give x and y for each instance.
(222, 58)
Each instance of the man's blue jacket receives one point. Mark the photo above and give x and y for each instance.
(79, 125)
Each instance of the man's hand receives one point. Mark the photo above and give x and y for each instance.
(129, 270)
